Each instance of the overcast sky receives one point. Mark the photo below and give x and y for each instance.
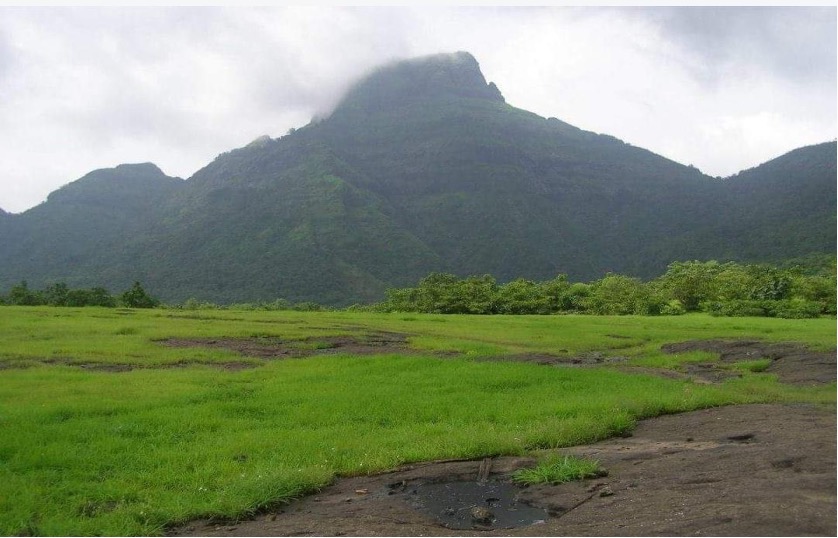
(723, 89)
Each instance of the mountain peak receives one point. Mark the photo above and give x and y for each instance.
(124, 177)
(143, 168)
(427, 78)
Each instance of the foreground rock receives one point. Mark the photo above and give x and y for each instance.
(756, 470)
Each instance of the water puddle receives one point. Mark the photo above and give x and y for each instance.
(474, 505)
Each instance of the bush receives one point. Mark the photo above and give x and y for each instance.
(21, 295)
(136, 297)
(308, 306)
(195, 304)
(91, 297)
(795, 309)
(673, 308)
(788, 308)
(736, 308)
(521, 297)
(622, 295)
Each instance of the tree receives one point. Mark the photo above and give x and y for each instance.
(816, 288)
(437, 294)
(56, 294)
(557, 295)
(577, 296)
(89, 297)
(621, 295)
(769, 283)
(479, 294)
(21, 295)
(521, 296)
(691, 283)
(136, 297)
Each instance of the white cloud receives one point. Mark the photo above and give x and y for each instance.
(87, 88)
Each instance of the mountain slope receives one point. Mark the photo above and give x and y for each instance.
(493, 188)
(422, 167)
(781, 209)
(297, 225)
(82, 234)
(788, 203)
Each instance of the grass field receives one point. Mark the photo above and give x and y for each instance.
(177, 436)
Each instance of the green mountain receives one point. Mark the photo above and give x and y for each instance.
(83, 233)
(421, 167)
(786, 207)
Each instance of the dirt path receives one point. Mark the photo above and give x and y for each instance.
(756, 470)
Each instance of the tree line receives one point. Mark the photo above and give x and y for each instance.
(805, 290)
(721, 289)
(60, 294)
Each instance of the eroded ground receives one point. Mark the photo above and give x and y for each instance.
(741, 470)
(791, 362)
(277, 348)
(755, 470)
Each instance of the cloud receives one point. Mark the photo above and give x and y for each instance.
(792, 43)
(86, 88)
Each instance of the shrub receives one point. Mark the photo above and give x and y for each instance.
(21, 295)
(621, 295)
(136, 297)
(673, 308)
(794, 309)
(308, 306)
(736, 308)
(194, 304)
(90, 297)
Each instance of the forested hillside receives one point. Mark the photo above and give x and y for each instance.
(422, 167)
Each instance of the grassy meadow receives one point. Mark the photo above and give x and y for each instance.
(89, 446)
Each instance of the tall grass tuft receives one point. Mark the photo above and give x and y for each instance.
(557, 469)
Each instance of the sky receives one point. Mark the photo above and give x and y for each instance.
(722, 89)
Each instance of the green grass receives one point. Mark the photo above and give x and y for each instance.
(87, 452)
(755, 366)
(557, 469)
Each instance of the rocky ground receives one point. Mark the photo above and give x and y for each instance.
(755, 470)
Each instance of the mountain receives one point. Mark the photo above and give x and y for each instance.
(787, 205)
(421, 167)
(83, 233)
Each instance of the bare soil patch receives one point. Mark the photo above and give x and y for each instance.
(792, 362)
(754, 470)
(592, 358)
(277, 348)
(111, 367)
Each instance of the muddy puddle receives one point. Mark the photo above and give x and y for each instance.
(474, 505)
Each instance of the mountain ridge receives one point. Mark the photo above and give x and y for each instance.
(421, 167)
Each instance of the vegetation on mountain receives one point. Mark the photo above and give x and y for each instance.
(422, 168)
(85, 233)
